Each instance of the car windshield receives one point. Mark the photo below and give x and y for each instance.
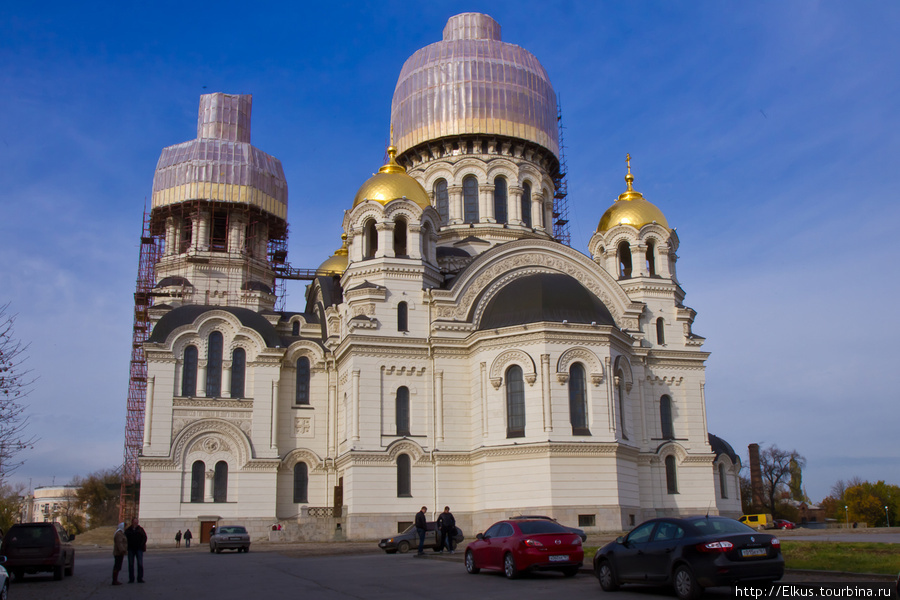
(533, 527)
(716, 525)
(236, 529)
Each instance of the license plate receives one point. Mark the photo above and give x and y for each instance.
(559, 558)
(234, 539)
(754, 552)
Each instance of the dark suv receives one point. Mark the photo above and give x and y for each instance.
(34, 547)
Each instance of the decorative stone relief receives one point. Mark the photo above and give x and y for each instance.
(303, 427)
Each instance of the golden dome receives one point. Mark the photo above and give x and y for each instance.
(337, 262)
(392, 182)
(631, 209)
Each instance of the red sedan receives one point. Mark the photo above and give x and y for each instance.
(525, 545)
(784, 524)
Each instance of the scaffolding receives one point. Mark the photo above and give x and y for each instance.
(560, 201)
(137, 382)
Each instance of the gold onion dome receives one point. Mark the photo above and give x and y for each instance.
(337, 262)
(631, 209)
(392, 182)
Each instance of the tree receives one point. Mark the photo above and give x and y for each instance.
(12, 501)
(775, 466)
(98, 496)
(69, 513)
(15, 385)
(867, 501)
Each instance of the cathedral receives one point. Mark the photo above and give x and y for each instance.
(452, 351)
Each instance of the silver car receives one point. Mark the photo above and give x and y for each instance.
(230, 537)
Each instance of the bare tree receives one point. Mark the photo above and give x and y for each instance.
(15, 385)
(776, 466)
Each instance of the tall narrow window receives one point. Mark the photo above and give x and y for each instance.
(220, 482)
(660, 331)
(671, 477)
(189, 372)
(238, 372)
(723, 483)
(620, 398)
(578, 400)
(515, 402)
(186, 231)
(301, 483)
(624, 252)
(218, 235)
(651, 258)
(665, 418)
(526, 204)
(400, 237)
(302, 392)
(214, 365)
(404, 477)
(442, 200)
(371, 239)
(198, 481)
(402, 411)
(402, 317)
(295, 328)
(470, 199)
(500, 196)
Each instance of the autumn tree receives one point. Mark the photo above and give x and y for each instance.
(775, 465)
(12, 501)
(68, 511)
(873, 503)
(98, 496)
(15, 385)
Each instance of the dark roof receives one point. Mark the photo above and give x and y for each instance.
(442, 251)
(167, 281)
(720, 446)
(184, 315)
(552, 297)
(256, 286)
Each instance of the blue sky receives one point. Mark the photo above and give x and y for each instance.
(766, 132)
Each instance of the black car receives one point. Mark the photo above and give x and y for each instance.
(690, 554)
(35, 547)
(402, 542)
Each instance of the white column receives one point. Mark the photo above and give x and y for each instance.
(273, 427)
(515, 205)
(484, 407)
(208, 488)
(456, 204)
(486, 197)
(439, 404)
(201, 378)
(226, 379)
(545, 390)
(354, 401)
(148, 411)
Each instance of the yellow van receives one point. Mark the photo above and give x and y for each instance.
(760, 522)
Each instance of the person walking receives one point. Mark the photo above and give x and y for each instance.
(447, 524)
(188, 536)
(178, 539)
(120, 548)
(421, 528)
(137, 545)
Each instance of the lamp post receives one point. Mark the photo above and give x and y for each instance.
(847, 514)
(886, 516)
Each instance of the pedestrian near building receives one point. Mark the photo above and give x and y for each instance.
(178, 539)
(447, 525)
(120, 549)
(188, 536)
(421, 528)
(137, 545)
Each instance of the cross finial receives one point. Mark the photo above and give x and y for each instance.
(628, 162)
(392, 133)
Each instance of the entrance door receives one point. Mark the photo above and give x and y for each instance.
(339, 497)
(205, 528)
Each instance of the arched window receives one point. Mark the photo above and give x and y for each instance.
(404, 477)
(620, 400)
(402, 411)
(186, 231)
(578, 400)
(624, 260)
(665, 418)
(402, 317)
(370, 238)
(500, 195)
(515, 402)
(301, 394)
(189, 372)
(442, 200)
(295, 328)
(301, 483)
(220, 483)
(238, 371)
(470, 199)
(660, 331)
(723, 483)
(214, 365)
(198, 481)
(400, 237)
(671, 477)
(526, 204)
(651, 258)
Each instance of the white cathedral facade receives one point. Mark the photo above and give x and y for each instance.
(451, 352)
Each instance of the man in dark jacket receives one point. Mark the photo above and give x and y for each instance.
(421, 528)
(447, 524)
(137, 545)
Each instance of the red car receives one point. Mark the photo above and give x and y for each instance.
(520, 545)
(784, 524)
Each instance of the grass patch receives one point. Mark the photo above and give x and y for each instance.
(854, 557)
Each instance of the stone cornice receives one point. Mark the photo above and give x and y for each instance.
(212, 403)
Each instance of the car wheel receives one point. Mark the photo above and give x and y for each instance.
(509, 566)
(686, 586)
(403, 547)
(4, 593)
(218, 551)
(607, 577)
(70, 570)
(58, 572)
(570, 571)
(470, 563)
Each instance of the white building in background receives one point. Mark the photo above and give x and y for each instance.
(451, 352)
(52, 503)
